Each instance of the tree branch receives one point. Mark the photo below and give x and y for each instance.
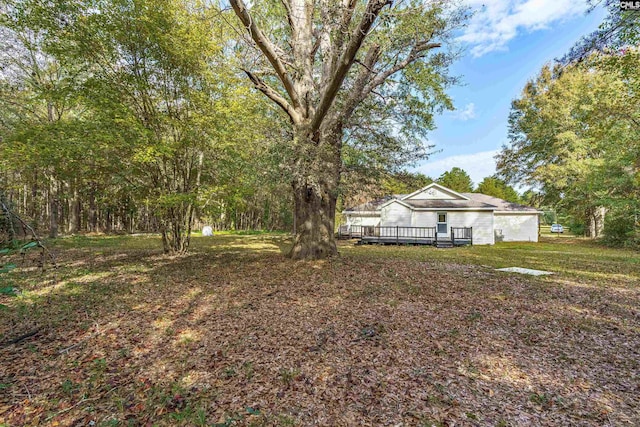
(267, 48)
(273, 95)
(346, 60)
(416, 53)
(348, 6)
(361, 81)
(358, 94)
(287, 8)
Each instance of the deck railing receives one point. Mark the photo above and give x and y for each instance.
(462, 234)
(399, 234)
(349, 231)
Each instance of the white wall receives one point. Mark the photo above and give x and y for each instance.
(354, 219)
(481, 221)
(395, 214)
(510, 227)
(424, 219)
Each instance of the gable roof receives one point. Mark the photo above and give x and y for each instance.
(500, 204)
(374, 205)
(448, 204)
(466, 201)
(438, 186)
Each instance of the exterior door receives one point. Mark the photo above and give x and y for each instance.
(442, 226)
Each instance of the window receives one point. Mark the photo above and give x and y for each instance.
(442, 223)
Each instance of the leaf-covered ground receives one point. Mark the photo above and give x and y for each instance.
(236, 334)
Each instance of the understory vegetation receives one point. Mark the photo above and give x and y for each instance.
(235, 333)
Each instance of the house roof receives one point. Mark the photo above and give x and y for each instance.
(374, 205)
(438, 186)
(501, 205)
(471, 201)
(447, 204)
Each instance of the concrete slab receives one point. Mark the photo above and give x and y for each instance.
(525, 271)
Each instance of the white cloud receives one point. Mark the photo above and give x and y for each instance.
(477, 165)
(467, 113)
(496, 22)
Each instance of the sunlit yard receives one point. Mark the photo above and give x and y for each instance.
(236, 334)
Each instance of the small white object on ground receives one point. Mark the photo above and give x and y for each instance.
(524, 271)
(207, 230)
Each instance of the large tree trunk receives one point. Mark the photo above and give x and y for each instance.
(315, 192)
(315, 218)
(312, 82)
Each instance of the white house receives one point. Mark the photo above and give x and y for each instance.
(443, 209)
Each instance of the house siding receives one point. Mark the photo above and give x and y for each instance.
(510, 227)
(423, 219)
(363, 220)
(481, 221)
(395, 214)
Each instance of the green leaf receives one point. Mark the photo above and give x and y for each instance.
(7, 268)
(4, 251)
(29, 245)
(8, 290)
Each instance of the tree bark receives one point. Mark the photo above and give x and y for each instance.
(175, 238)
(53, 218)
(92, 219)
(315, 219)
(596, 222)
(315, 192)
(74, 212)
(108, 221)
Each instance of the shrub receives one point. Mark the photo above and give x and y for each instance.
(621, 228)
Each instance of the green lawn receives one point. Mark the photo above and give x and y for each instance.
(233, 333)
(571, 258)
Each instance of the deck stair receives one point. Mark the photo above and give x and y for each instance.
(444, 244)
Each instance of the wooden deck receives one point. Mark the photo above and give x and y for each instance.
(396, 235)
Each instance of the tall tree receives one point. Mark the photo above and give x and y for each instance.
(573, 133)
(40, 119)
(311, 48)
(619, 30)
(496, 187)
(159, 80)
(405, 182)
(456, 179)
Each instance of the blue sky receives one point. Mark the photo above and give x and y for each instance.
(506, 43)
